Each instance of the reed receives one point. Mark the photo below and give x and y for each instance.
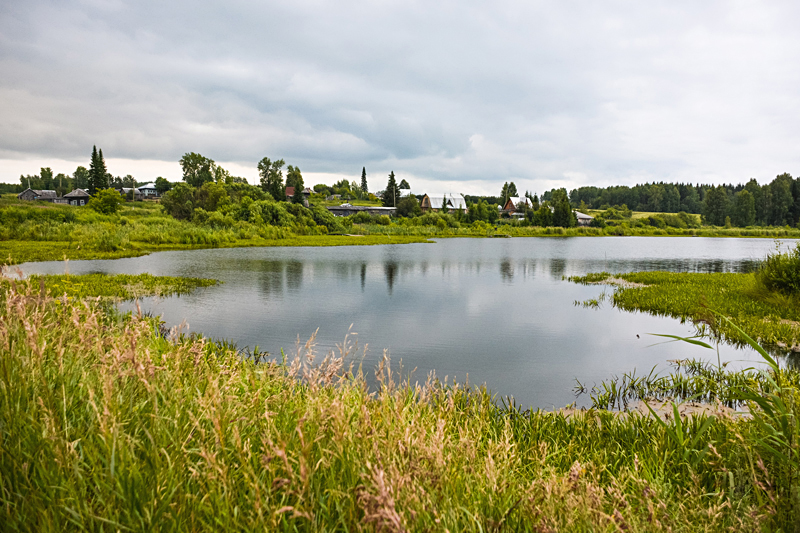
(109, 423)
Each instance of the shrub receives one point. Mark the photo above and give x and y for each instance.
(179, 202)
(107, 202)
(409, 207)
(781, 272)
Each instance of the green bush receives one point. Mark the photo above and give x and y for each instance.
(107, 202)
(781, 272)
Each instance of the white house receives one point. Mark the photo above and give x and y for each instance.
(148, 190)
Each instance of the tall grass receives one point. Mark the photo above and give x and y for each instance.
(108, 424)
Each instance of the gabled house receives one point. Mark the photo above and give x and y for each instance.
(77, 197)
(148, 191)
(290, 192)
(436, 203)
(512, 206)
(126, 191)
(36, 194)
(513, 202)
(583, 219)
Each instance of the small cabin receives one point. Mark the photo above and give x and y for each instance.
(36, 194)
(77, 197)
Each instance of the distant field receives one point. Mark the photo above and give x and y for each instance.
(637, 214)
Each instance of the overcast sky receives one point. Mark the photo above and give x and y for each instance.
(453, 96)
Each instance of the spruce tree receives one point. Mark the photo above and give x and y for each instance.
(93, 166)
(102, 172)
(364, 180)
(392, 192)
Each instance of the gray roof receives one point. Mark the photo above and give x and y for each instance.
(147, 186)
(582, 216)
(48, 195)
(77, 193)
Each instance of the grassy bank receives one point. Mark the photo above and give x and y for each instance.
(106, 425)
(117, 287)
(15, 252)
(770, 317)
(511, 230)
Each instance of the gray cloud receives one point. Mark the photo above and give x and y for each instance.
(544, 93)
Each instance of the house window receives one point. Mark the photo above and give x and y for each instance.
(81, 202)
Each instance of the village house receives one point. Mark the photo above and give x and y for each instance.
(512, 207)
(125, 192)
(583, 219)
(77, 197)
(35, 194)
(436, 203)
(148, 191)
(306, 193)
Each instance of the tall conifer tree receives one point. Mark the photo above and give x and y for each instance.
(102, 172)
(392, 192)
(364, 180)
(93, 166)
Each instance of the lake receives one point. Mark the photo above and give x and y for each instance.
(494, 310)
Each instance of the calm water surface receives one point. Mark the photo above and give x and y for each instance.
(494, 310)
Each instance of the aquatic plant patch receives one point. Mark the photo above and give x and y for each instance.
(771, 318)
(119, 286)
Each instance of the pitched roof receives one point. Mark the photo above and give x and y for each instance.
(582, 216)
(77, 193)
(147, 186)
(516, 200)
(454, 201)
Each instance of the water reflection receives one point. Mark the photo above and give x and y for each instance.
(363, 276)
(557, 268)
(271, 281)
(390, 271)
(507, 270)
(294, 275)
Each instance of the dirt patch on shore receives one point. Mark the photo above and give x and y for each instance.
(619, 282)
(664, 410)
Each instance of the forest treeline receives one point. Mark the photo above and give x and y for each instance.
(773, 204)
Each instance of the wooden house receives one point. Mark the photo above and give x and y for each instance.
(512, 206)
(36, 194)
(77, 197)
